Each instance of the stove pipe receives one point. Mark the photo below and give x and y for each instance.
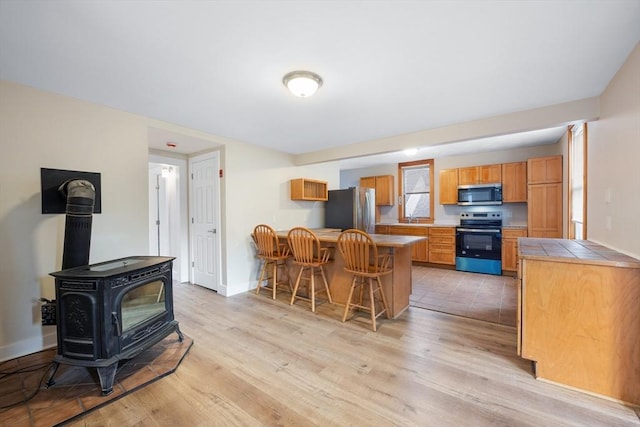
(80, 196)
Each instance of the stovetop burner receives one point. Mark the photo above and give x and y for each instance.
(490, 219)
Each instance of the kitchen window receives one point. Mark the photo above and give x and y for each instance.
(577, 181)
(416, 189)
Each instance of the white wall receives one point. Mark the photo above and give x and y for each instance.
(613, 174)
(41, 129)
(257, 191)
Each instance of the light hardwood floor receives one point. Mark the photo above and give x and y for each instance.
(258, 362)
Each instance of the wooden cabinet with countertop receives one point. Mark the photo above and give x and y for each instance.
(442, 245)
(579, 316)
(510, 237)
(383, 184)
(419, 250)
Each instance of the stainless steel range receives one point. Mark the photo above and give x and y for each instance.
(479, 242)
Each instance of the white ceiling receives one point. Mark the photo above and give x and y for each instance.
(389, 67)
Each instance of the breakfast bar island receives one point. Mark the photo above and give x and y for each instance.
(396, 286)
(579, 316)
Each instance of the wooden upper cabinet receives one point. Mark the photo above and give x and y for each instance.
(487, 174)
(544, 210)
(514, 182)
(544, 170)
(309, 189)
(368, 182)
(449, 186)
(468, 175)
(383, 185)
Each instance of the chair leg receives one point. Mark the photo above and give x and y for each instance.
(295, 288)
(286, 274)
(326, 284)
(346, 307)
(373, 304)
(274, 280)
(312, 292)
(263, 270)
(384, 299)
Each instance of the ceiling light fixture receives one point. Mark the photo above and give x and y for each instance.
(302, 83)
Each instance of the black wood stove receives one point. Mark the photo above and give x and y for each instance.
(112, 311)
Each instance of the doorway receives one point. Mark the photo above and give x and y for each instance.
(164, 213)
(172, 202)
(204, 191)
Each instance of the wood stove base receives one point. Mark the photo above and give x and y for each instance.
(107, 368)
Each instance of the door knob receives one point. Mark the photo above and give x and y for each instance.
(212, 231)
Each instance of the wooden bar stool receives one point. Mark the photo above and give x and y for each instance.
(274, 257)
(311, 257)
(361, 258)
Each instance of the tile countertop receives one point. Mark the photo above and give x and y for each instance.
(573, 251)
(416, 224)
(330, 235)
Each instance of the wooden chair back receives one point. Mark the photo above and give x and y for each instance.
(360, 253)
(267, 242)
(305, 247)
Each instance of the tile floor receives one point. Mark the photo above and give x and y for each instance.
(76, 389)
(478, 296)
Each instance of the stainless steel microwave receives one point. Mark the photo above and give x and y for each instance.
(480, 194)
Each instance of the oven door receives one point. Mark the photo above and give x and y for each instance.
(482, 243)
(479, 250)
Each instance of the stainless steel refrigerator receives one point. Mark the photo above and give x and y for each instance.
(353, 207)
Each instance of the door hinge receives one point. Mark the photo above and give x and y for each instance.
(192, 176)
(191, 220)
(193, 264)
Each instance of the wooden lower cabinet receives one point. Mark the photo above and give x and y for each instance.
(510, 247)
(442, 245)
(579, 318)
(419, 250)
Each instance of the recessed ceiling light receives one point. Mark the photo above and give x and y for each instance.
(302, 83)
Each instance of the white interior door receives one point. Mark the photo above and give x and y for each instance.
(205, 240)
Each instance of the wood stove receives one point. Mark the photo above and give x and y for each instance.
(112, 311)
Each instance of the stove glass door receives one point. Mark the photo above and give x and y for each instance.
(479, 243)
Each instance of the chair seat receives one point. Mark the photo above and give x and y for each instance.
(361, 258)
(311, 257)
(274, 256)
